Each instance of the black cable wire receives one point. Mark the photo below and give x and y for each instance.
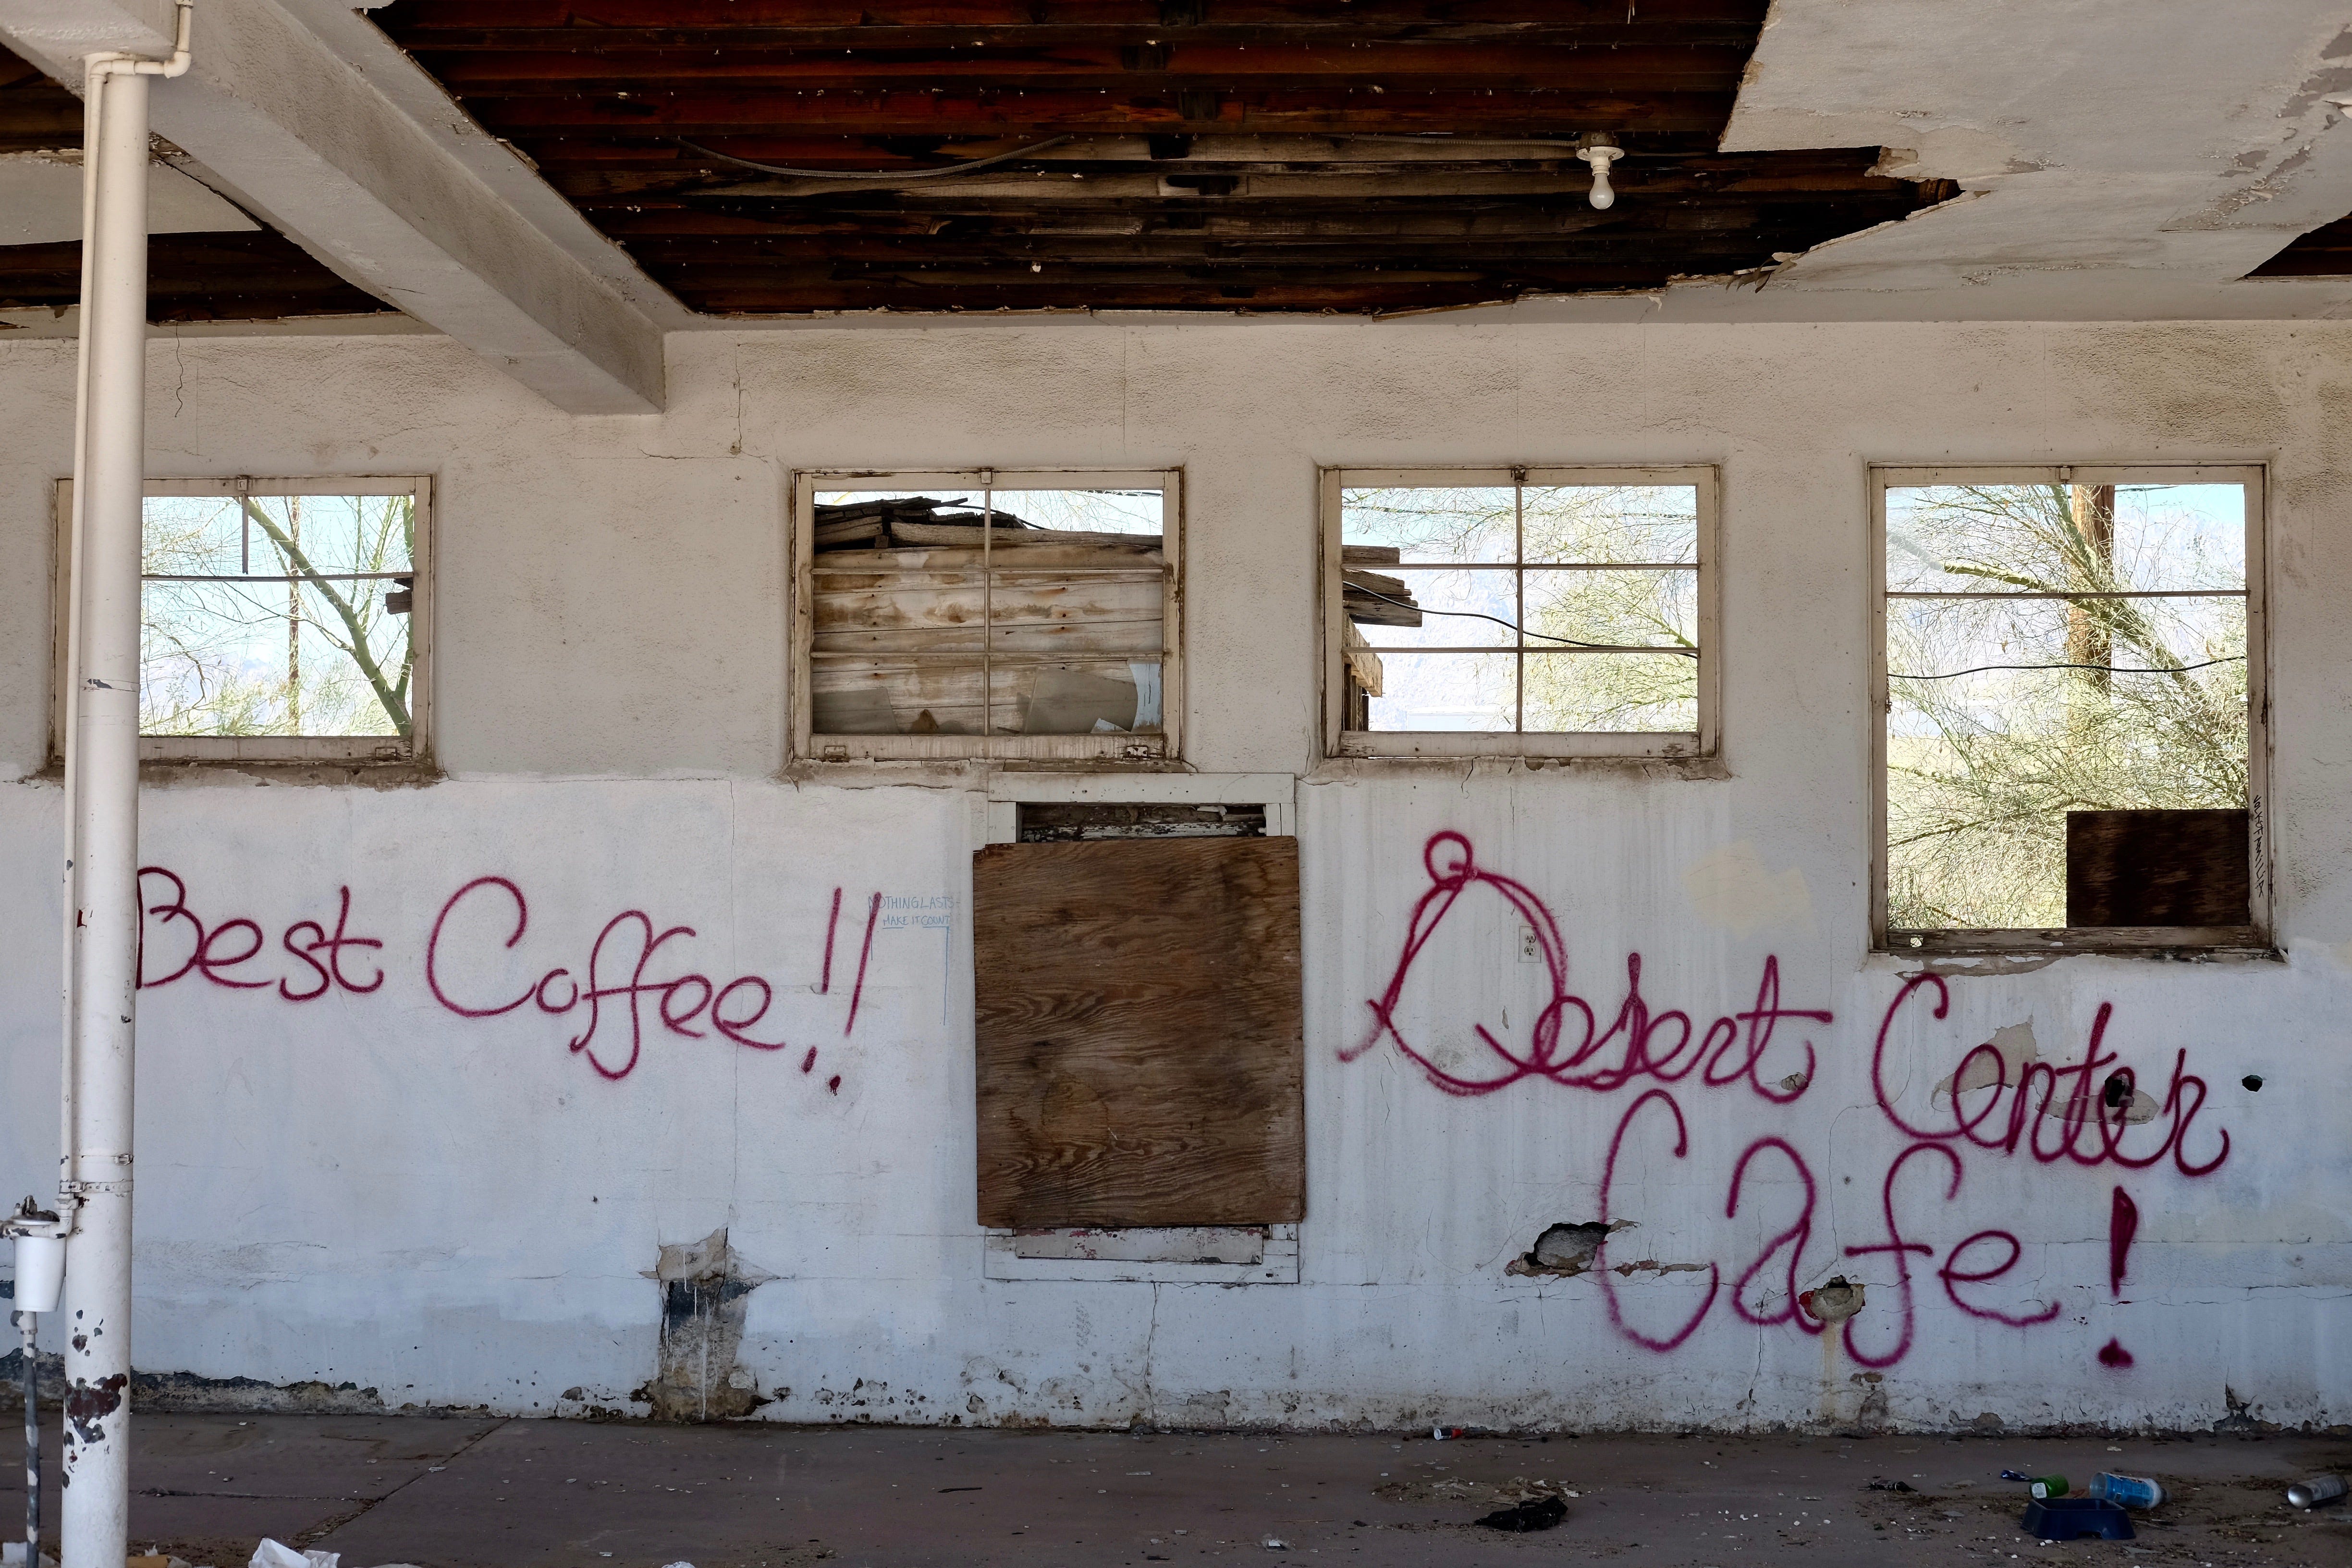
(871, 175)
(1477, 615)
(2105, 668)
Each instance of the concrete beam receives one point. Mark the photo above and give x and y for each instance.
(291, 129)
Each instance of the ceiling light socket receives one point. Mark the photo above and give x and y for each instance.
(1599, 150)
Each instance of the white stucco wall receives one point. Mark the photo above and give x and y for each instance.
(367, 1187)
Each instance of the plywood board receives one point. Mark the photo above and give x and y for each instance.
(2157, 868)
(1141, 1053)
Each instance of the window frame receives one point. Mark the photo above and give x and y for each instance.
(808, 745)
(1450, 744)
(2255, 938)
(416, 746)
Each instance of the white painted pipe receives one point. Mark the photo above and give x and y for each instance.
(110, 480)
(102, 804)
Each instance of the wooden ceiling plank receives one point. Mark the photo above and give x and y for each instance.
(705, 115)
(407, 18)
(1454, 66)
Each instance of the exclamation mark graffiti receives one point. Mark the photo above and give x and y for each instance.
(858, 992)
(831, 924)
(2123, 1224)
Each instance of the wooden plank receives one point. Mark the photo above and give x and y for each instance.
(848, 24)
(2157, 868)
(1295, 106)
(1140, 1049)
(1516, 65)
(1064, 695)
(967, 536)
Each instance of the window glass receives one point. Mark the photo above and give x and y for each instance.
(1533, 608)
(277, 615)
(2064, 661)
(1005, 612)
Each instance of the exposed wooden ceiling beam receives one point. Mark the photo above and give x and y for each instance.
(500, 23)
(1291, 107)
(1096, 68)
(1286, 154)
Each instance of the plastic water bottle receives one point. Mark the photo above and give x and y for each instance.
(2318, 1490)
(2129, 1491)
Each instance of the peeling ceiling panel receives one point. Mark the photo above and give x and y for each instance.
(2117, 167)
(2325, 252)
(791, 156)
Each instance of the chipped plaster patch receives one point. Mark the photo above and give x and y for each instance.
(2001, 1060)
(698, 1375)
(1733, 888)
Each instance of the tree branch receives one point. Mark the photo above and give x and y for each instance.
(395, 706)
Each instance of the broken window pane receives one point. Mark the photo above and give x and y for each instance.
(2056, 649)
(277, 615)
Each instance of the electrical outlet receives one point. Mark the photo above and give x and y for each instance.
(1530, 949)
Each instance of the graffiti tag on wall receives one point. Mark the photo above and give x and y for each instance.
(2082, 1114)
(635, 981)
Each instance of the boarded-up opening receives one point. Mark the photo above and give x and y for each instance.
(1140, 1052)
(2157, 868)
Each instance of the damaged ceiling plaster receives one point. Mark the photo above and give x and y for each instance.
(2095, 194)
(794, 157)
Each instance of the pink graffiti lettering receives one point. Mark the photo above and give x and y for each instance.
(2012, 1117)
(1732, 1049)
(2077, 1115)
(1608, 1179)
(213, 951)
(633, 941)
(634, 988)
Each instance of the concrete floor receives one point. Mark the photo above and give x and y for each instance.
(460, 1493)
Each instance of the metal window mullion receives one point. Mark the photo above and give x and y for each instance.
(1384, 566)
(987, 614)
(2085, 593)
(1519, 602)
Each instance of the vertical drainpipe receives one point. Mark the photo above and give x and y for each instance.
(102, 804)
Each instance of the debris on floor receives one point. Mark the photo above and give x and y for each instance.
(1540, 1514)
(2075, 1518)
(2318, 1490)
(1880, 1484)
(277, 1554)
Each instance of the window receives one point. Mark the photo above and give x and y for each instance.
(280, 619)
(1519, 612)
(987, 615)
(1138, 1046)
(2071, 753)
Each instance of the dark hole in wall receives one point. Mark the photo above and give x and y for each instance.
(1071, 822)
(698, 1375)
(1566, 1249)
(2157, 868)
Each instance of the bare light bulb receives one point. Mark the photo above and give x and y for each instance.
(1600, 156)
